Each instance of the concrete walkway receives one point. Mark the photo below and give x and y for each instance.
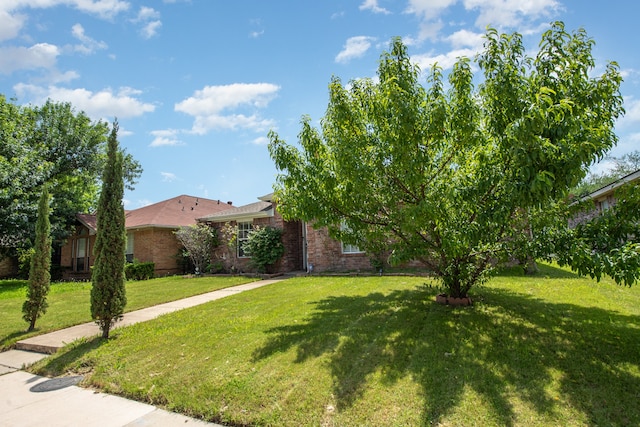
(31, 400)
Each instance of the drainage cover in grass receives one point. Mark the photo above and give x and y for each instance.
(55, 384)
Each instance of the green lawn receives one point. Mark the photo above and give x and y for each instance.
(69, 303)
(548, 350)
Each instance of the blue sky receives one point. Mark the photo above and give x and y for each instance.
(196, 85)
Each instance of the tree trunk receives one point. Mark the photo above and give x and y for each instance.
(106, 327)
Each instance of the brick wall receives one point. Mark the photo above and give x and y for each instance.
(291, 238)
(325, 254)
(597, 209)
(157, 245)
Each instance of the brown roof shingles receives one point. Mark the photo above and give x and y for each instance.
(176, 212)
(172, 213)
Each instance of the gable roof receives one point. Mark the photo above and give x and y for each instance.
(176, 212)
(89, 221)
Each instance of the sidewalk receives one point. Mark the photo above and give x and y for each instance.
(31, 400)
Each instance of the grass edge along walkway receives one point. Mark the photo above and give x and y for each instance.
(69, 301)
(51, 342)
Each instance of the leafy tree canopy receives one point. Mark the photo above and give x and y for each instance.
(55, 145)
(442, 173)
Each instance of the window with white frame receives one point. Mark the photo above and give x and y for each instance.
(348, 248)
(244, 228)
(129, 253)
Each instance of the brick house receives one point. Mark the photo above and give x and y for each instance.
(306, 248)
(150, 235)
(603, 198)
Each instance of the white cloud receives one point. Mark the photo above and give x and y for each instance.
(444, 61)
(163, 138)
(10, 25)
(168, 176)
(209, 104)
(429, 11)
(497, 13)
(57, 77)
(465, 38)
(147, 14)
(150, 20)
(87, 45)
(97, 105)
(12, 21)
(511, 13)
(465, 44)
(372, 5)
(41, 55)
(632, 113)
(261, 140)
(150, 29)
(355, 47)
(203, 124)
(105, 9)
(259, 32)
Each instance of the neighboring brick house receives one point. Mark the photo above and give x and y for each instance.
(306, 248)
(603, 198)
(150, 235)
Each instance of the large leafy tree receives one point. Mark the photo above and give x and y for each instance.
(50, 144)
(39, 275)
(108, 296)
(445, 174)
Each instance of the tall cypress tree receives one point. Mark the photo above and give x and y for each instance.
(108, 297)
(39, 274)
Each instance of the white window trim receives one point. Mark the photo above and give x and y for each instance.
(240, 241)
(130, 246)
(348, 248)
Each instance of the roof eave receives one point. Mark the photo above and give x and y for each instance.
(609, 188)
(239, 217)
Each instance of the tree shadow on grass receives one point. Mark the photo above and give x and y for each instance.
(69, 359)
(511, 345)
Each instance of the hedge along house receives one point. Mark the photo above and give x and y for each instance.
(306, 248)
(150, 235)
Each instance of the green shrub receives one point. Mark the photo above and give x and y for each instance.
(139, 270)
(265, 247)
